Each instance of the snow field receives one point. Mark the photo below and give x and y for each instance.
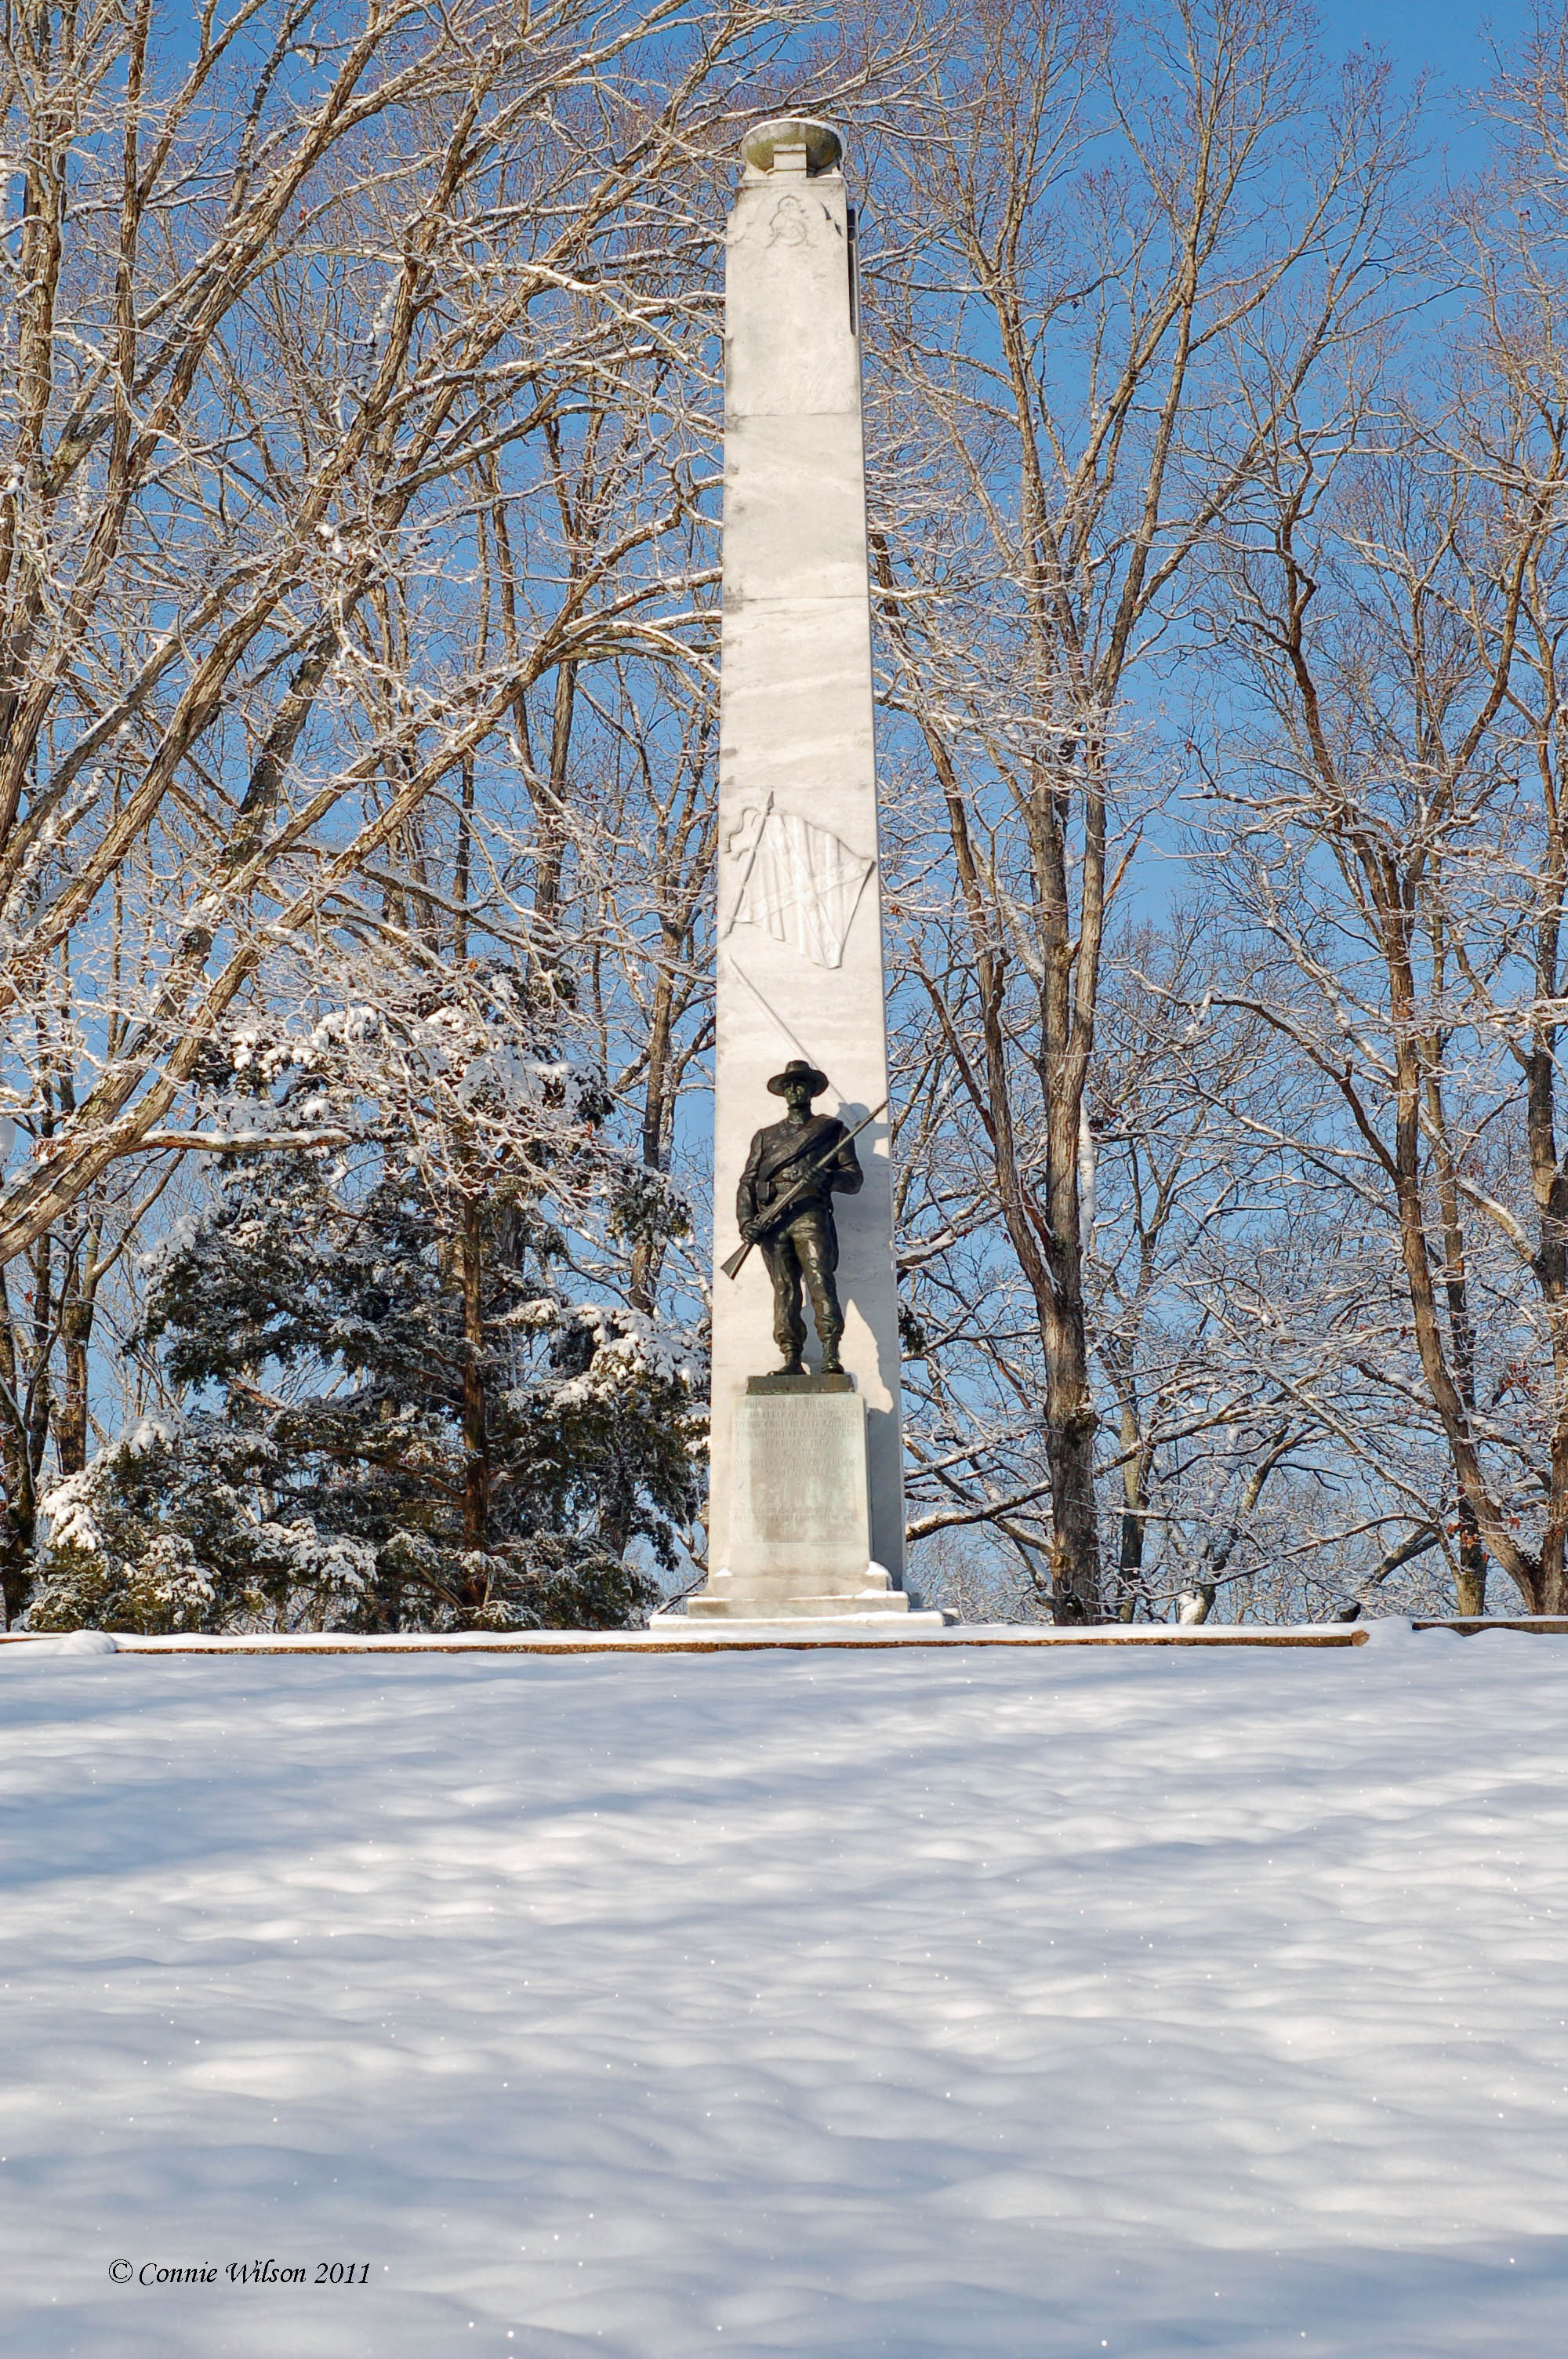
(937, 2003)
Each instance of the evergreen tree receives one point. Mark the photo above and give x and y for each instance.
(404, 1418)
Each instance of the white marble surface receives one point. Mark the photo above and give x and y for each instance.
(796, 736)
(717, 1604)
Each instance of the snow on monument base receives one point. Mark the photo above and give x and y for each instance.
(800, 1530)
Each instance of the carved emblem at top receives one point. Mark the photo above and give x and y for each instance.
(798, 882)
(790, 225)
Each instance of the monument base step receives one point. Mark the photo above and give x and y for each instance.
(744, 1613)
(760, 1602)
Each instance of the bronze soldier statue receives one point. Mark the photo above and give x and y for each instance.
(809, 1158)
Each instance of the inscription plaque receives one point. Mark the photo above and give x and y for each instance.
(801, 1489)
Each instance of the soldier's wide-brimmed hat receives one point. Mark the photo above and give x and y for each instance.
(797, 1070)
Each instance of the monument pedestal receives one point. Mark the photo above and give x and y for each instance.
(798, 912)
(800, 1524)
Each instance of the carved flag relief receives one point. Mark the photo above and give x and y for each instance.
(799, 883)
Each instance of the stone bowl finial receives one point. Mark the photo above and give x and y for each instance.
(822, 144)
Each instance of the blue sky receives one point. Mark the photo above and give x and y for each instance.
(1443, 37)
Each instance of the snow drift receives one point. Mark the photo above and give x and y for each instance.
(927, 2004)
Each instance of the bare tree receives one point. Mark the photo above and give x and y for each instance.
(1401, 596)
(1125, 244)
(355, 405)
(271, 309)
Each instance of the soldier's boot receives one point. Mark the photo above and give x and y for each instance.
(789, 1334)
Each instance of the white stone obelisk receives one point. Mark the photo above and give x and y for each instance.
(799, 911)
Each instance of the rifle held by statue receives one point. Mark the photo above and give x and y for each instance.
(778, 1213)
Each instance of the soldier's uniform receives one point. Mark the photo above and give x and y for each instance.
(804, 1250)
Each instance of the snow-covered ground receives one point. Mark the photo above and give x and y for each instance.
(922, 2002)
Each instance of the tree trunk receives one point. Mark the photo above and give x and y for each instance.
(77, 1309)
(1069, 946)
(1522, 1569)
(1471, 1577)
(1550, 1186)
(550, 806)
(70, 1425)
(647, 1249)
(18, 1514)
(476, 1434)
(1070, 1427)
(1135, 1499)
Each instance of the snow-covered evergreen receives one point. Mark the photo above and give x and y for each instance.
(401, 1412)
